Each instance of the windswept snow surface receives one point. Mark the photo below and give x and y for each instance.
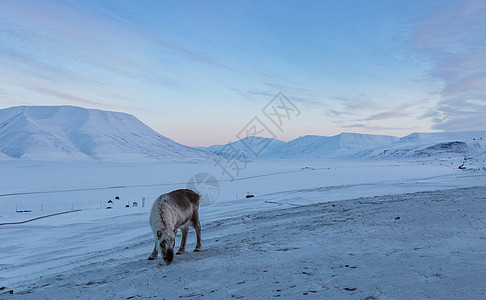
(299, 236)
(74, 133)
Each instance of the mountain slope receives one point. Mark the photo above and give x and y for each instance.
(337, 146)
(68, 132)
(251, 146)
(437, 144)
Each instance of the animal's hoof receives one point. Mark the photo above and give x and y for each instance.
(180, 252)
(151, 258)
(197, 249)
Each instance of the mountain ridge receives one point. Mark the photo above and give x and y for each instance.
(436, 144)
(348, 145)
(340, 145)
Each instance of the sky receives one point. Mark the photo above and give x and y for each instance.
(200, 72)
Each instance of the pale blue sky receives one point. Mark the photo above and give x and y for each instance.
(199, 71)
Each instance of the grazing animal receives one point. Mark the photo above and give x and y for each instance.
(171, 211)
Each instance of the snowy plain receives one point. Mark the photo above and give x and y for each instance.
(302, 235)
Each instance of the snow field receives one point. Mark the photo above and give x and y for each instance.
(409, 246)
(252, 247)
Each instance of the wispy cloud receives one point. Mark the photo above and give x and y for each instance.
(453, 38)
(72, 98)
(159, 59)
(351, 106)
(397, 112)
(71, 42)
(35, 67)
(374, 128)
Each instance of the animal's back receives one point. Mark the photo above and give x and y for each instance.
(184, 200)
(192, 196)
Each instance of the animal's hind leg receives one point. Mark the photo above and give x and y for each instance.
(154, 254)
(198, 237)
(182, 248)
(197, 227)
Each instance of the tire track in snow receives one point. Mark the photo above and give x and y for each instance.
(41, 217)
(146, 185)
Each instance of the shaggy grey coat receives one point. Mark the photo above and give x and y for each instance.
(171, 211)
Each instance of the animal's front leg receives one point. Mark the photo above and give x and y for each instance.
(154, 254)
(182, 248)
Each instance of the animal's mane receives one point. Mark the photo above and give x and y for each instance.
(165, 214)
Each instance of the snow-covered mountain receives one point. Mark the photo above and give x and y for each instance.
(437, 144)
(309, 146)
(338, 146)
(471, 144)
(251, 146)
(68, 132)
